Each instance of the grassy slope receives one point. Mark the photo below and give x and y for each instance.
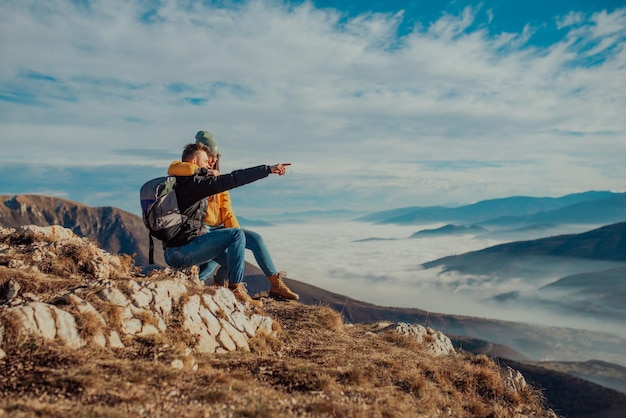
(316, 366)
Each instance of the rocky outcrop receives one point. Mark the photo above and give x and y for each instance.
(432, 341)
(93, 297)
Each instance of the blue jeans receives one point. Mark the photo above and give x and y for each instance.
(254, 243)
(229, 244)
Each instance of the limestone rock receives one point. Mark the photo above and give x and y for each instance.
(434, 341)
(514, 379)
(49, 322)
(53, 232)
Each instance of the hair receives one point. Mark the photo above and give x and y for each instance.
(191, 150)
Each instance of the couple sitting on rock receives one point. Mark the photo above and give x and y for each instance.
(212, 234)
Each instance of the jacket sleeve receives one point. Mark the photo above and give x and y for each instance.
(191, 189)
(228, 214)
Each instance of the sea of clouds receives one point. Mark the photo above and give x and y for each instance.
(380, 264)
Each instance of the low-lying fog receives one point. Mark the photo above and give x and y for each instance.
(380, 264)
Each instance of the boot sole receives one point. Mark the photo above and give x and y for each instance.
(280, 297)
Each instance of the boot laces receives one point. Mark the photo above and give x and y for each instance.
(279, 278)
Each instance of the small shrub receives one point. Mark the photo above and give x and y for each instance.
(329, 319)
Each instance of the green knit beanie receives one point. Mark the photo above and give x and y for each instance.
(207, 138)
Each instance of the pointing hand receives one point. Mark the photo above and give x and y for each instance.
(279, 169)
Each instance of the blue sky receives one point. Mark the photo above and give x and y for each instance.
(377, 104)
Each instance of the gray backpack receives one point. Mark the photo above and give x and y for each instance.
(160, 211)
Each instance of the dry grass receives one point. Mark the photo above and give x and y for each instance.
(109, 311)
(71, 260)
(47, 290)
(88, 324)
(11, 330)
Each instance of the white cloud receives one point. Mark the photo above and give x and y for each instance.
(572, 18)
(489, 15)
(344, 99)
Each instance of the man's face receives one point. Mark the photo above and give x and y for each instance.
(202, 160)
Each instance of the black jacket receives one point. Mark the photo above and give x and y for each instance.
(192, 191)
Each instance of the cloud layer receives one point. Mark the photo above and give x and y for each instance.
(447, 112)
(342, 257)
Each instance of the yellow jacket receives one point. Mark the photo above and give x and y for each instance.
(220, 210)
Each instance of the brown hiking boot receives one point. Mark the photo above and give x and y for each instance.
(241, 293)
(279, 289)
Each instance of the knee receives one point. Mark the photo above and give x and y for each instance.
(238, 235)
(176, 259)
(253, 236)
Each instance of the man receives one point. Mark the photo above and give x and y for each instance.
(193, 247)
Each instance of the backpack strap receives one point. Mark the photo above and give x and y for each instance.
(151, 251)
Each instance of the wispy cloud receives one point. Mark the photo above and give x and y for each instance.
(572, 18)
(347, 98)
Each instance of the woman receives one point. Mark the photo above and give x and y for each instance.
(220, 214)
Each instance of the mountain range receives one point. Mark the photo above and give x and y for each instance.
(592, 207)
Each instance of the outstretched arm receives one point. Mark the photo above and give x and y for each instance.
(192, 189)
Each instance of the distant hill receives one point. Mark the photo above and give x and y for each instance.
(605, 243)
(526, 232)
(483, 210)
(449, 230)
(117, 231)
